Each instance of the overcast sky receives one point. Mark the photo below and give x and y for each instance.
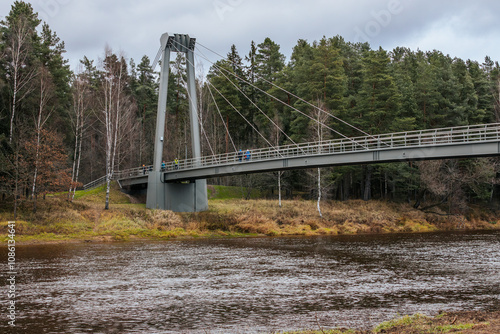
(465, 29)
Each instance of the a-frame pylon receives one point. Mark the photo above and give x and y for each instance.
(178, 197)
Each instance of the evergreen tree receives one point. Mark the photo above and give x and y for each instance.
(301, 58)
(485, 100)
(19, 44)
(467, 103)
(379, 100)
(144, 87)
(223, 86)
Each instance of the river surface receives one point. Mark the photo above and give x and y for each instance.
(255, 285)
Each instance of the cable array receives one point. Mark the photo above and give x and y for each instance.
(224, 71)
(282, 102)
(295, 96)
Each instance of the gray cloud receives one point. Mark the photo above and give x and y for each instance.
(461, 28)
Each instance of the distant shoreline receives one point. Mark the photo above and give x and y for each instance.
(85, 220)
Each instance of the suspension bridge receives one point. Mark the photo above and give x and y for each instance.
(182, 186)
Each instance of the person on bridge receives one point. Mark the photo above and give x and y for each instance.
(163, 165)
(240, 155)
(247, 155)
(176, 164)
(143, 169)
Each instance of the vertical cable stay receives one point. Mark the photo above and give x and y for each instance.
(284, 103)
(297, 97)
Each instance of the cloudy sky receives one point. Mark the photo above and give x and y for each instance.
(465, 29)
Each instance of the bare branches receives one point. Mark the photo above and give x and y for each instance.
(452, 180)
(20, 75)
(79, 119)
(117, 114)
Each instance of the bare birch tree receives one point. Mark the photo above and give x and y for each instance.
(21, 75)
(117, 113)
(276, 136)
(318, 135)
(46, 91)
(79, 116)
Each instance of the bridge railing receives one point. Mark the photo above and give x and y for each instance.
(421, 138)
(418, 138)
(96, 183)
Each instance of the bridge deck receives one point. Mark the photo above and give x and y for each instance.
(457, 142)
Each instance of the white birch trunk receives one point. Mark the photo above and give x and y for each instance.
(279, 188)
(319, 192)
(18, 52)
(320, 138)
(79, 159)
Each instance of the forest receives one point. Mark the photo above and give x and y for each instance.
(61, 128)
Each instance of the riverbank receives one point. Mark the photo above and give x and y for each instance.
(464, 322)
(85, 220)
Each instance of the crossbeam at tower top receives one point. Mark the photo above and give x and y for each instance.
(178, 42)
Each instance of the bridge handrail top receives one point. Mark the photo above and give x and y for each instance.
(374, 138)
(361, 141)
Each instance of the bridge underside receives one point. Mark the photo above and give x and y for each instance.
(178, 197)
(452, 151)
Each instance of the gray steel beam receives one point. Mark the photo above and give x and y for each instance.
(162, 103)
(155, 195)
(193, 103)
(452, 151)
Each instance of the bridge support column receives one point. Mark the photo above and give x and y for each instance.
(186, 197)
(178, 197)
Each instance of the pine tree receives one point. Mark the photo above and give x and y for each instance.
(144, 88)
(485, 101)
(19, 45)
(379, 100)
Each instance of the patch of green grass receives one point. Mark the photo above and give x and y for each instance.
(450, 328)
(407, 320)
(225, 192)
(324, 331)
(440, 315)
(86, 193)
(98, 194)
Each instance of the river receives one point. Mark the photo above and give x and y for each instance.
(251, 285)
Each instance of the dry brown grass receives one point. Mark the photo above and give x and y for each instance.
(84, 219)
(351, 217)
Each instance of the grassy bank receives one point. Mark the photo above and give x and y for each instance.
(472, 322)
(85, 218)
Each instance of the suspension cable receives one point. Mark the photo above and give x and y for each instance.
(295, 96)
(239, 89)
(157, 59)
(260, 110)
(282, 102)
(197, 114)
(222, 118)
(236, 109)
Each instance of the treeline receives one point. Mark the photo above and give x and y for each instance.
(60, 128)
(375, 91)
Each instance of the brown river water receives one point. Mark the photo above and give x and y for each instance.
(251, 285)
